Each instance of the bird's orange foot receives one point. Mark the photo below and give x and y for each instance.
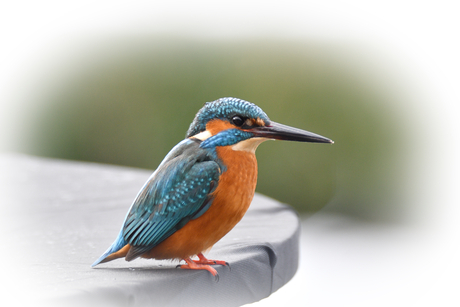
(204, 260)
(192, 265)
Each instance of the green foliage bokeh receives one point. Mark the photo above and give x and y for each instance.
(137, 99)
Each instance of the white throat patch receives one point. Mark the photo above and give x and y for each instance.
(249, 145)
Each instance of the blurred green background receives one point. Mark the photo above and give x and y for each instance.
(130, 100)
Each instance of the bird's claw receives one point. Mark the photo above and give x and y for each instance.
(192, 265)
(203, 260)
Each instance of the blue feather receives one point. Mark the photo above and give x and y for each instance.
(173, 195)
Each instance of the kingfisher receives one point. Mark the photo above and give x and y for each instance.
(202, 188)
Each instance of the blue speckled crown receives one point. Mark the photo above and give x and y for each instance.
(225, 108)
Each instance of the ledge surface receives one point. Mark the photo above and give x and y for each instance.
(58, 216)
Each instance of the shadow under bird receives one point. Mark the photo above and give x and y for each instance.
(202, 188)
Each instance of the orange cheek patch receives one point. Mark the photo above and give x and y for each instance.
(217, 125)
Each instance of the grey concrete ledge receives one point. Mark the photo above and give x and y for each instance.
(59, 216)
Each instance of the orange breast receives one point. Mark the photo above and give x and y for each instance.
(232, 198)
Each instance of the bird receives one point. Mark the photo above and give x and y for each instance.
(202, 188)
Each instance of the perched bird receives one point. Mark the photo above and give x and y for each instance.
(202, 188)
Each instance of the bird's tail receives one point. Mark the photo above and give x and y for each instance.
(118, 249)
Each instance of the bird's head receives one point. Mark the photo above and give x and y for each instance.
(232, 121)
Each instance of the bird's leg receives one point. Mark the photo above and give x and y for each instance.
(204, 260)
(193, 265)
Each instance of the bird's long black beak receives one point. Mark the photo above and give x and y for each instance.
(282, 132)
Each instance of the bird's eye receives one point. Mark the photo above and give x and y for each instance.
(237, 121)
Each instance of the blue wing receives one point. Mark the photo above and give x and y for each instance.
(176, 193)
